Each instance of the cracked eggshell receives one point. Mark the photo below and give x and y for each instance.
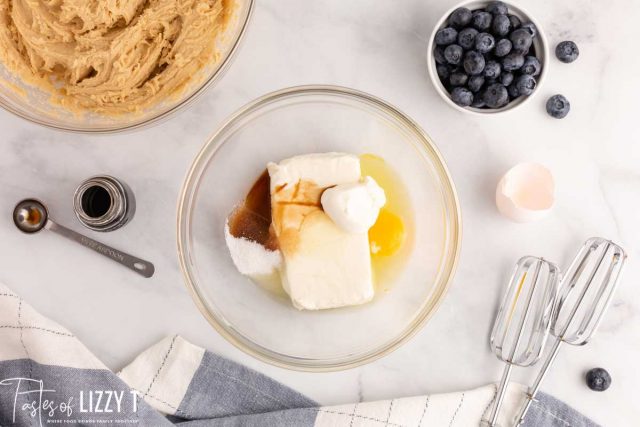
(526, 192)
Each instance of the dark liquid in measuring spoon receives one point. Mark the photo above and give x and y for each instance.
(252, 220)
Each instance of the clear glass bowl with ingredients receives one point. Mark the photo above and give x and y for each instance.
(316, 119)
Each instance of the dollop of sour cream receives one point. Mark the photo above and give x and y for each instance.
(354, 207)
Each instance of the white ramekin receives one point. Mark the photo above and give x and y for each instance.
(539, 43)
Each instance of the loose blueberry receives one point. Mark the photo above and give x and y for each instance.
(530, 28)
(481, 21)
(460, 18)
(567, 51)
(503, 47)
(598, 379)
(526, 84)
(485, 42)
(495, 96)
(475, 83)
(506, 79)
(473, 63)
(497, 8)
(521, 39)
(558, 106)
(443, 71)
(467, 38)
(446, 36)
(513, 91)
(453, 54)
(458, 78)
(438, 55)
(492, 70)
(515, 22)
(501, 25)
(512, 62)
(531, 66)
(462, 96)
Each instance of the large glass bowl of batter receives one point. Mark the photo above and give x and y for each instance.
(303, 120)
(33, 104)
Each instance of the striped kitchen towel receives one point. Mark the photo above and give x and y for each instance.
(48, 377)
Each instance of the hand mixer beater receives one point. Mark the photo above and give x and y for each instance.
(585, 294)
(524, 318)
(533, 307)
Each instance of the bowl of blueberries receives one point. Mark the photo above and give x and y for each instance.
(487, 57)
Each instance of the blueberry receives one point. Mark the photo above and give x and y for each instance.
(558, 106)
(515, 22)
(481, 21)
(458, 78)
(438, 55)
(512, 62)
(443, 71)
(598, 379)
(531, 66)
(497, 8)
(513, 91)
(460, 18)
(521, 39)
(475, 83)
(506, 79)
(526, 84)
(501, 25)
(477, 102)
(473, 63)
(467, 38)
(495, 96)
(492, 70)
(453, 54)
(567, 51)
(446, 36)
(485, 42)
(530, 28)
(503, 47)
(462, 96)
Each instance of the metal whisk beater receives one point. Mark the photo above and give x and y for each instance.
(522, 324)
(585, 295)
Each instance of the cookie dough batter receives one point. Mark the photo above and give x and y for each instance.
(110, 56)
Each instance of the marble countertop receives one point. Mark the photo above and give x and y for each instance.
(377, 47)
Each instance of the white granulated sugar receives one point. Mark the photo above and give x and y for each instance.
(251, 258)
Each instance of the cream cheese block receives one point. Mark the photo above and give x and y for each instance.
(324, 266)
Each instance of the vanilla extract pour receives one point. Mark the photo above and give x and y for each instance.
(252, 219)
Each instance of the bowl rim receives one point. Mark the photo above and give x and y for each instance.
(443, 279)
(511, 106)
(162, 115)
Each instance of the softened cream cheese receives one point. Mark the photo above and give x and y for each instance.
(324, 266)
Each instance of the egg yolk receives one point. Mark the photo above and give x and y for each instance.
(387, 234)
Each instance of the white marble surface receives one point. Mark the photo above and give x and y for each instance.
(378, 47)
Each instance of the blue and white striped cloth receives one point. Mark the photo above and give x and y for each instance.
(48, 377)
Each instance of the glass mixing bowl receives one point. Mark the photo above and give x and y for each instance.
(305, 120)
(33, 104)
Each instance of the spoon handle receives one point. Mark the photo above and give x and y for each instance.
(138, 265)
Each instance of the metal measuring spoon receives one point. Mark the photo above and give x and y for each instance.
(31, 216)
